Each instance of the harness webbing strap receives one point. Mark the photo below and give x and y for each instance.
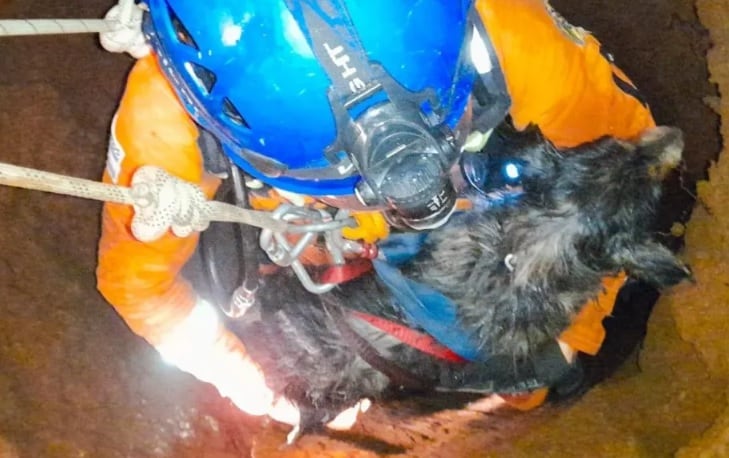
(411, 337)
(335, 43)
(397, 375)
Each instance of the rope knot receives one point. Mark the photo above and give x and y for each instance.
(126, 34)
(163, 202)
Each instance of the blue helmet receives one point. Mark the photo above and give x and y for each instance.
(318, 96)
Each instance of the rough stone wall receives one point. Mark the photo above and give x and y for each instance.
(702, 313)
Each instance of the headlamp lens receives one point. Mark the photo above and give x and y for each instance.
(409, 178)
(405, 168)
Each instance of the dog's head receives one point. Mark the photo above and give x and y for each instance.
(520, 272)
(607, 192)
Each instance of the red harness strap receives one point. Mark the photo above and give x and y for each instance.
(411, 337)
(423, 342)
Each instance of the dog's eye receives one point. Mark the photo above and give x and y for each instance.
(511, 172)
(492, 175)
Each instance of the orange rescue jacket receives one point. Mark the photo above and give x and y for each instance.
(557, 77)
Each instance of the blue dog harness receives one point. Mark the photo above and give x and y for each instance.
(423, 306)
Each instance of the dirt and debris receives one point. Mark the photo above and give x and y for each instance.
(75, 382)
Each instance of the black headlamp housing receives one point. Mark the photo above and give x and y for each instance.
(404, 164)
(396, 139)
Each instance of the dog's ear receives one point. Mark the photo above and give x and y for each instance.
(654, 264)
(663, 143)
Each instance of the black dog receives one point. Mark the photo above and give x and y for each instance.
(514, 274)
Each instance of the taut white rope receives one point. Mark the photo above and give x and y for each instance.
(120, 31)
(165, 198)
(21, 27)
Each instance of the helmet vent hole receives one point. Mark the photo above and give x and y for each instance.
(182, 33)
(233, 114)
(204, 77)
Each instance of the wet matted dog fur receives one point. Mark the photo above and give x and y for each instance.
(517, 274)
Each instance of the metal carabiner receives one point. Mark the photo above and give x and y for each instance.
(314, 223)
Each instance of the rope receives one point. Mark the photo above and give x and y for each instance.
(125, 14)
(161, 202)
(120, 31)
(23, 27)
(142, 197)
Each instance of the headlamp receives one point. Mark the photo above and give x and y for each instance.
(397, 139)
(403, 163)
